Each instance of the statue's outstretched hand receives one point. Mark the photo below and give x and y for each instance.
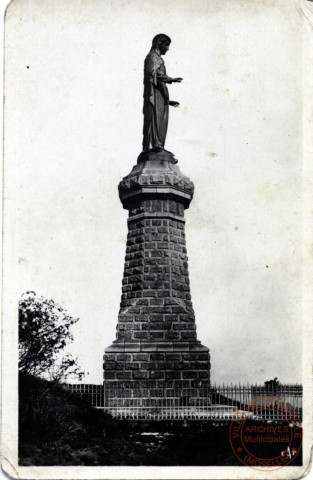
(173, 103)
(177, 80)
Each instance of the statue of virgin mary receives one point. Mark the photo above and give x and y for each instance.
(156, 97)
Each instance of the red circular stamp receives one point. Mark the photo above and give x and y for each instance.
(266, 433)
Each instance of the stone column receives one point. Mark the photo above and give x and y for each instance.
(156, 344)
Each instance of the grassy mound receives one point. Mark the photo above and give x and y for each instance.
(57, 427)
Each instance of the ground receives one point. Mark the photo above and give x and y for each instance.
(59, 428)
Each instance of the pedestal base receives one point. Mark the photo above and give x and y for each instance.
(156, 364)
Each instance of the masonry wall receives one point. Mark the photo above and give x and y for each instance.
(156, 301)
(157, 370)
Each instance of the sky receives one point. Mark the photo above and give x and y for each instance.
(73, 129)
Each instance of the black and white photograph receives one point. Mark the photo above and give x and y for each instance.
(157, 248)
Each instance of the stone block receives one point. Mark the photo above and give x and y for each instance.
(145, 310)
(162, 245)
(173, 375)
(165, 346)
(133, 326)
(180, 346)
(170, 301)
(188, 335)
(150, 366)
(142, 357)
(142, 301)
(147, 346)
(178, 326)
(167, 326)
(156, 253)
(126, 288)
(132, 346)
(108, 357)
(151, 277)
(123, 375)
(141, 318)
(157, 375)
(157, 356)
(164, 293)
(147, 383)
(132, 366)
(158, 326)
(165, 262)
(156, 335)
(123, 357)
(140, 375)
(173, 356)
(113, 366)
(150, 293)
(138, 270)
(178, 365)
(156, 301)
(190, 374)
(156, 269)
(141, 335)
(165, 366)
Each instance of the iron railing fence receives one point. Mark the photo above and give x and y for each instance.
(218, 402)
(92, 393)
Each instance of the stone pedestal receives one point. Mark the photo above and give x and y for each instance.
(156, 344)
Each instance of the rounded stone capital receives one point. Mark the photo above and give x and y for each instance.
(155, 179)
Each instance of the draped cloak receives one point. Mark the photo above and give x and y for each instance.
(156, 102)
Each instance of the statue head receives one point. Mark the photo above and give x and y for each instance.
(161, 42)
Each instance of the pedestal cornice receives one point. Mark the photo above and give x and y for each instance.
(156, 179)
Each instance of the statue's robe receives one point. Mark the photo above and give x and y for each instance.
(156, 102)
